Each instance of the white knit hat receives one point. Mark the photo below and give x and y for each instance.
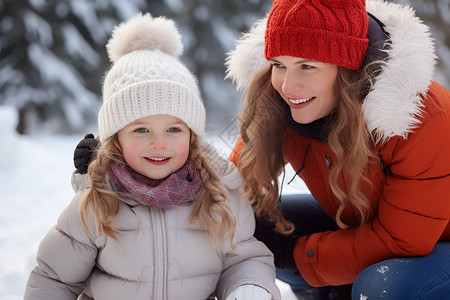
(147, 77)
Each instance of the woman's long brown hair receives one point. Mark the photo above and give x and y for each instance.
(262, 129)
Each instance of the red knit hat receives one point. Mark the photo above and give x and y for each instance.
(329, 31)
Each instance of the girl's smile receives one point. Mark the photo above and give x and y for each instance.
(158, 160)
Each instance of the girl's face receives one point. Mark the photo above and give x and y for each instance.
(308, 87)
(155, 146)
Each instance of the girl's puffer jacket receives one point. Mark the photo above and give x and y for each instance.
(158, 255)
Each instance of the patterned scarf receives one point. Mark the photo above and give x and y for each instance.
(171, 191)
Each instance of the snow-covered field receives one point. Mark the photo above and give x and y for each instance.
(34, 188)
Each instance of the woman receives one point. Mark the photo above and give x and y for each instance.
(345, 95)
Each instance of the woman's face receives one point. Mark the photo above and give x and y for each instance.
(308, 87)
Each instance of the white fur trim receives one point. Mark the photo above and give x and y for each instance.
(393, 106)
(143, 32)
(248, 58)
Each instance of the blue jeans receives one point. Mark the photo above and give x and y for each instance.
(397, 278)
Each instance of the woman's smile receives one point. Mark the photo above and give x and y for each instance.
(301, 100)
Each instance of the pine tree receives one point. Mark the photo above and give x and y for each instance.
(52, 58)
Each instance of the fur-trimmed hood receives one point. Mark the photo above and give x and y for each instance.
(393, 106)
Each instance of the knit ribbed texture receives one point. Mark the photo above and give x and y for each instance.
(148, 82)
(329, 31)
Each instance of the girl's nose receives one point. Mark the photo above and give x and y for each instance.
(158, 142)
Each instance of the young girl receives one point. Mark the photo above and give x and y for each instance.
(344, 92)
(162, 217)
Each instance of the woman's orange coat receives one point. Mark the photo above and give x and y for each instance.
(409, 195)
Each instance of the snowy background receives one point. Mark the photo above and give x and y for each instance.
(34, 189)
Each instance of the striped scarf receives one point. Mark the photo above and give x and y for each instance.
(172, 191)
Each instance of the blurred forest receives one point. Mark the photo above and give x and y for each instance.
(53, 57)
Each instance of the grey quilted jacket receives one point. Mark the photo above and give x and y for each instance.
(158, 255)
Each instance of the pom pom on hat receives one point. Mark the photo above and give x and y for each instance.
(145, 33)
(147, 77)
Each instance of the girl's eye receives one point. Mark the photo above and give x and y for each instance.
(141, 130)
(174, 129)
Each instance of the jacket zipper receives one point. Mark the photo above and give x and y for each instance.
(157, 217)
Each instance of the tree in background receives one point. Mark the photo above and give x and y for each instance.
(53, 57)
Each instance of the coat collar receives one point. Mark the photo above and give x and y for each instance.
(394, 105)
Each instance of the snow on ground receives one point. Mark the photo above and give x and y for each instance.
(32, 195)
(34, 189)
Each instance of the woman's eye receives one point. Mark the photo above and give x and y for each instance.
(307, 67)
(174, 129)
(277, 65)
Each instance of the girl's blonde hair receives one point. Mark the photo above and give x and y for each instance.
(262, 128)
(211, 209)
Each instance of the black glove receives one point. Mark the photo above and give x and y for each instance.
(282, 246)
(85, 153)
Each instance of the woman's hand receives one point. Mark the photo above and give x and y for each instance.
(85, 152)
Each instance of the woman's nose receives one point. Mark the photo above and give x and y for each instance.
(291, 84)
